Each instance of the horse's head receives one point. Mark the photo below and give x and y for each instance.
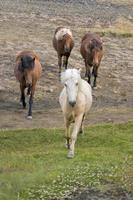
(96, 51)
(68, 43)
(26, 65)
(71, 78)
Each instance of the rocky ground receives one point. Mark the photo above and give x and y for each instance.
(30, 25)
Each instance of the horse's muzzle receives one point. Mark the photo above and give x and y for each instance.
(72, 103)
(67, 49)
(28, 84)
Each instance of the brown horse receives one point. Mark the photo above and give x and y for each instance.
(27, 71)
(63, 43)
(92, 52)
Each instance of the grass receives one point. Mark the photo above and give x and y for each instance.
(33, 163)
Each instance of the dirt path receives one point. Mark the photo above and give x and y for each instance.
(31, 26)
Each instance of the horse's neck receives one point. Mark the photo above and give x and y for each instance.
(84, 87)
(80, 85)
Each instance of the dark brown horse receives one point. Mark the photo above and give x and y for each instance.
(92, 53)
(27, 71)
(63, 43)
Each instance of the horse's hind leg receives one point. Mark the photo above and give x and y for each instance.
(22, 98)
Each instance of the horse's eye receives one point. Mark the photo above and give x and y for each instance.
(65, 85)
(76, 84)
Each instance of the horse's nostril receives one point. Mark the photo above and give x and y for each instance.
(72, 103)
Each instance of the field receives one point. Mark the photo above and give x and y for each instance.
(33, 162)
(34, 165)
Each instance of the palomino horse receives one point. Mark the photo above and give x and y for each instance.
(92, 53)
(27, 71)
(63, 43)
(75, 100)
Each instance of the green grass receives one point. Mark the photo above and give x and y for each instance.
(33, 163)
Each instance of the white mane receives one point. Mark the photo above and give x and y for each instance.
(70, 74)
(60, 33)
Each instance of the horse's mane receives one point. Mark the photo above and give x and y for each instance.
(61, 32)
(70, 73)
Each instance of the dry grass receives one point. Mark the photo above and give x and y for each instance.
(122, 2)
(121, 27)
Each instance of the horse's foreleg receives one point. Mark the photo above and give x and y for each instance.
(89, 75)
(59, 63)
(95, 73)
(65, 61)
(86, 66)
(77, 125)
(67, 133)
(22, 98)
(88, 72)
(31, 102)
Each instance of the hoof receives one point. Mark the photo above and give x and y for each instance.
(67, 145)
(94, 87)
(29, 117)
(70, 155)
(81, 132)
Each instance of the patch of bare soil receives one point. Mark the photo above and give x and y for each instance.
(31, 25)
(93, 194)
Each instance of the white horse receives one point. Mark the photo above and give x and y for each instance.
(75, 100)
